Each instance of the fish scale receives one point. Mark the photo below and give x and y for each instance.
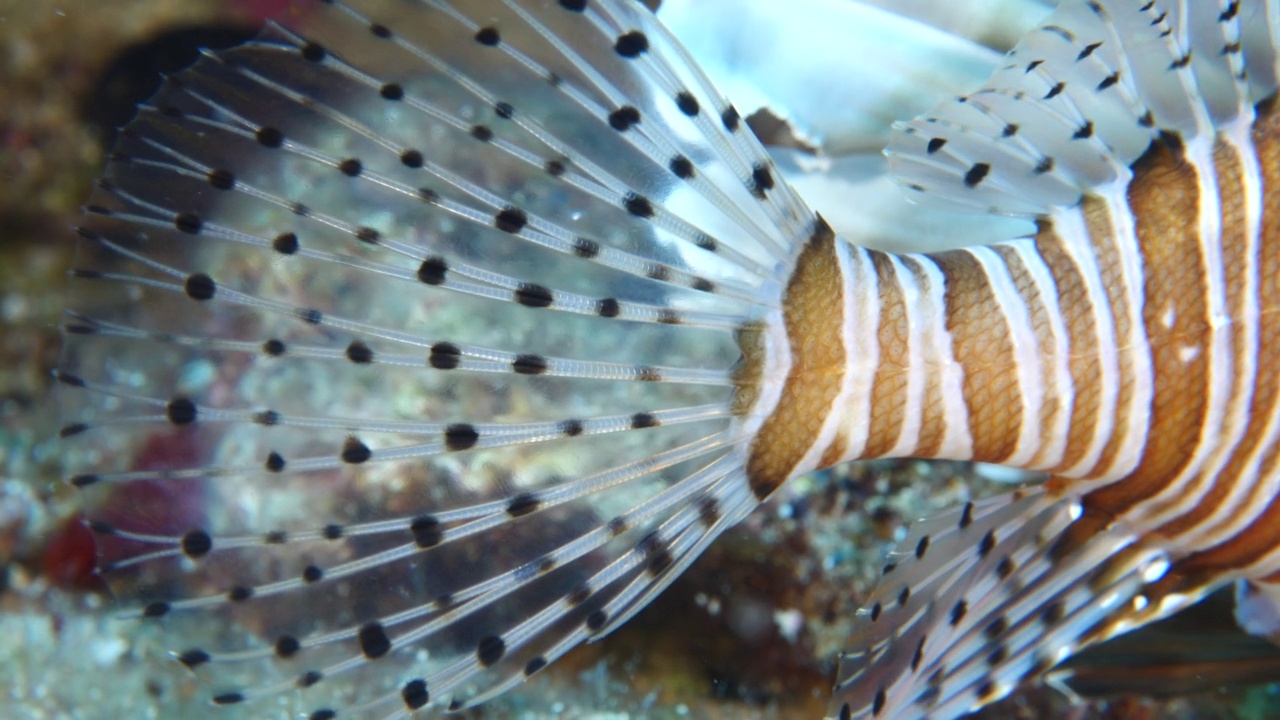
(470, 326)
(1167, 303)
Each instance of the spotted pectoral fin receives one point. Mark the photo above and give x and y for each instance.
(977, 600)
(1199, 649)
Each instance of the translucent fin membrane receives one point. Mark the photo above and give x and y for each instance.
(1081, 98)
(980, 599)
(400, 357)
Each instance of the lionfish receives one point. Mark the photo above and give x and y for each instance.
(427, 340)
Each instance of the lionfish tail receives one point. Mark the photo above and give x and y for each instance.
(404, 338)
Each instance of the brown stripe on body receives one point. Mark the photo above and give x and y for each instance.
(1039, 313)
(984, 348)
(1102, 238)
(1082, 339)
(1266, 382)
(1262, 537)
(889, 390)
(836, 451)
(813, 309)
(1165, 197)
(933, 413)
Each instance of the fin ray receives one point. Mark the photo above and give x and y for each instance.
(1080, 98)
(981, 617)
(375, 319)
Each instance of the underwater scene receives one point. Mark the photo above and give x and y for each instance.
(411, 358)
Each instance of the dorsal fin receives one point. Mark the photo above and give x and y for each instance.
(1082, 97)
(1261, 36)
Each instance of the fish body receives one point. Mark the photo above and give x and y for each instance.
(1144, 295)
(465, 328)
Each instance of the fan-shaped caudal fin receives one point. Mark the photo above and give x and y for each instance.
(401, 351)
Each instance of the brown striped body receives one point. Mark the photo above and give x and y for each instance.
(1123, 349)
(1258, 542)
(1006, 314)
